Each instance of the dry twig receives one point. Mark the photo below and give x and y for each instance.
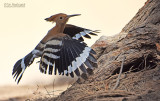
(117, 83)
(47, 91)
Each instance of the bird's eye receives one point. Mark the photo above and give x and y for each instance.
(60, 18)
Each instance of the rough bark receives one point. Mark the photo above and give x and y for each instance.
(138, 43)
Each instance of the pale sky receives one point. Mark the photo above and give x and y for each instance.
(21, 28)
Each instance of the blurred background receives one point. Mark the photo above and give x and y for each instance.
(22, 26)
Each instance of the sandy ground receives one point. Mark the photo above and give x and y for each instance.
(33, 86)
(22, 93)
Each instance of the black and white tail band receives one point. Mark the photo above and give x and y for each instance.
(21, 65)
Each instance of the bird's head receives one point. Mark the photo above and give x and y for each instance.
(60, 18)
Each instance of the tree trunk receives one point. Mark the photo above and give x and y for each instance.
(138, 44)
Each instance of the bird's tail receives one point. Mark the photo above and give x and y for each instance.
(21, 65)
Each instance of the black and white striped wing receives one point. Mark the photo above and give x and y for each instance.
(77, 32)
(67, 56)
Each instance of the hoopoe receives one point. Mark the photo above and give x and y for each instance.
(61, 49)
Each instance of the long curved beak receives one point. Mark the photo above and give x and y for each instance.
(73, 15)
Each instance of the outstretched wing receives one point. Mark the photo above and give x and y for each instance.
(77, 32)
(66, 55)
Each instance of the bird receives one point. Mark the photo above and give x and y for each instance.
(62, 51)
